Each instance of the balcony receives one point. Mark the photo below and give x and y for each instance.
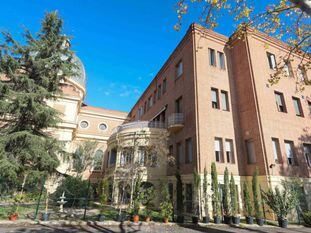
(138, 125)
(175, 122)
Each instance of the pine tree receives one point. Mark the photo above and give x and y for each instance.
(226, 200)
(234, 197)
(247, 201)
(215, 188)
(30, 75)
(256, 195)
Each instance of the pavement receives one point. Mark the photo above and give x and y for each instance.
(127, 227)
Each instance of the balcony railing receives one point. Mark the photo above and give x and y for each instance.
(175, 121)
(139, 124)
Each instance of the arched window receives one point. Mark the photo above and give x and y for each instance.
(97, 162)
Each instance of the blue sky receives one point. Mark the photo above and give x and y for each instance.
(121, 43)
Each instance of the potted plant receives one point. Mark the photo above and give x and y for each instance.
(257, 199)
(281, 202)
(234, 201)
(137, 198)
(180, 198)
(13, 214)
(166, 206)
(196, 207)
(247, 205)
(226, 200)
(103, 198)
(148, 196)
(215, 195)
(206, 218)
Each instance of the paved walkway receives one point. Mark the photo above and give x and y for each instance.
(156, 228)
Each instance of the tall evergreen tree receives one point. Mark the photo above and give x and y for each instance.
(234, 197)
(256, 195)
(31, 73)
(226, 194)
(215, 188)
(247, 201)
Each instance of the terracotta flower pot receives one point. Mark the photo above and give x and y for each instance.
(13, 217)
(136, 218)
(165, 220)
(147, 219)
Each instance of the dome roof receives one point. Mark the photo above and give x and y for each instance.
(80, 78)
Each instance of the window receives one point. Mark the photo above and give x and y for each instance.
(280, 103)
(188, 150)
(218, 150)
(301, 73)
(164, 85)
(251, 155)
(288, 69)
(154, 96)
(84, 124)
(229, 151)
(178, 105)
(150, 102)
(215, 100)
(159, 91)
(297, 106)
(112, 157)
(309, 105)
(289, 149)
(307, 153)
(189, 198)
(276, 150)
(179, 69)
(212, 58)
(145, 107)
(126, 157)
(221, 58)
(224, 101)
(179, 156)
(272, 61)
(171, 150)
(102, 126)
(97, 161)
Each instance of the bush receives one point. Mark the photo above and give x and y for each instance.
(75, 189)
(307, 218)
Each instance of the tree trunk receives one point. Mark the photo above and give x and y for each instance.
(23, 184)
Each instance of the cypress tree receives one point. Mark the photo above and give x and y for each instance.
(226, 201)
(30, 75)
(256, 195)
(247, 201)
(205, 194)
(234, 198)
(215, 189)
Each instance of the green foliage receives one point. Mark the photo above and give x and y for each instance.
(75, 189)
(215, 189)
(179, 193)
(148, 197)
(83, 157)
(281, 202)
(256, 195)
(33, 71)
(247, 201)
(166, 204)
(307, 218)
(197, 184)
(205, 194)
(137, 195)
(234, 197)
(104, 192)
(226, 194)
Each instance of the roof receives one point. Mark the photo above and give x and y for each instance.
(98, 110)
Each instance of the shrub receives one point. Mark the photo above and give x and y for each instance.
(166, 204)
(215, 189)
(234, 197)
(247, 201)
(307, 218)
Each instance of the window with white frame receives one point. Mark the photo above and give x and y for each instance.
(297, 106)
(141, 155)
(224, 101)
(218, 150)
(126, 156)
(212, 57)
(276, 150)
(215, 100)
(250, 149)
(307, 153)
(279, 100)
(229, 151)
(97, 160)
(271, 60)
(288, 69)
(221, 58)
(289, 150)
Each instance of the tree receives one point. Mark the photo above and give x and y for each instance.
(288, 20)
(215, 189)
(31, 75)
(247, 201)
(205, 193)
(256, 195)
(165, 204)
(226, 194)
(233, 197)
(197, 189)
(179, 194)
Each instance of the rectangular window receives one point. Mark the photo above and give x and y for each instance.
(288, 69)
(221, 58)
(126, 157)
(188, 198)
(145, 107)
(218, 150)
(215, 99)
(272, 61)
(164, 85)
(297, 106)
(178, 105)
(159, 91)
(171, 150)
(212, 57)
(179, 69)
(251, 155)
(229, 151)
(289, 149)
(224, 101)
(276, 150)
(150, 102)
(113, 157)
(188, 150)
(179, 155)
(302, 74)
(280, 103)
(154, 96)
(309, 106)
(307, 153)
